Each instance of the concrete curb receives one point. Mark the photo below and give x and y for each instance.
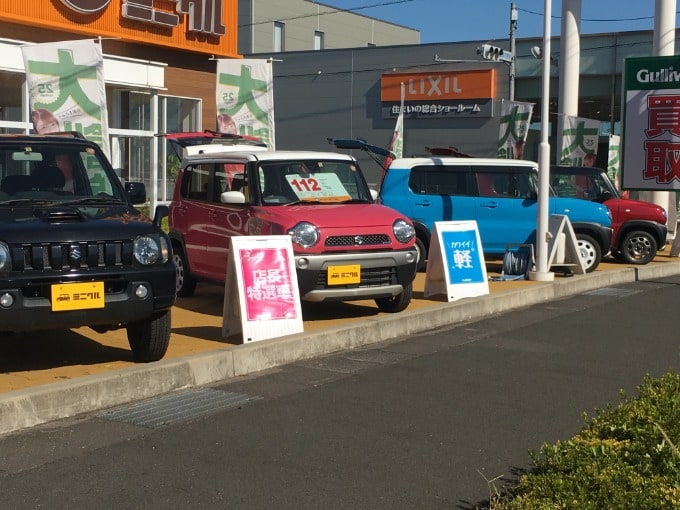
(26, 408)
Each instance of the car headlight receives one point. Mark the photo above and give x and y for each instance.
(5, 260)
(146, 250)
(403, 231)
(304, 234)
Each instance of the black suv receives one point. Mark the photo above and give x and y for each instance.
(73, 249)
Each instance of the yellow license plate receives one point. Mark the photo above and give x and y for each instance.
(77, 296)
(343, 275)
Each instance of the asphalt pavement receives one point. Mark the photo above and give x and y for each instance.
(432, 420)
(41, 391)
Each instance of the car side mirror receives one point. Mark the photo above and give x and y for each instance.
(136, 192)
(374, 194)
(232, 197)
(162, 211)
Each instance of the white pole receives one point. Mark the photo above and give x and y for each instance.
(569, 67)
(542, 272)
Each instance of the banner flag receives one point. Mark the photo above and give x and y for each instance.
(579, 141)
(397, 143)
(613, 161)
(66, 89)
(245, 98)
(514, 126)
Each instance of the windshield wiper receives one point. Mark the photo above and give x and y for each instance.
(355, 201)
(93, 200)
(21, 201)
(307, 202)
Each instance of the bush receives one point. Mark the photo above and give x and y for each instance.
(624, 458)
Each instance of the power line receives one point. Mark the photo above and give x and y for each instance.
(598, 20)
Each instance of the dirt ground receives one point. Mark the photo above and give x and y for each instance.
(28, 360)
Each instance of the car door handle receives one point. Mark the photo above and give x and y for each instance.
(489, 205)
(424, 203)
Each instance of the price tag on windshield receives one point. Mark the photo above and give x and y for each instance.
(318, 187)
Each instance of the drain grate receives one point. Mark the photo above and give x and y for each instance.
(176, 407)
(611, 292)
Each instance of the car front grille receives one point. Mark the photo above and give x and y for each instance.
(67, 256)
(370, 277)
(358, 240)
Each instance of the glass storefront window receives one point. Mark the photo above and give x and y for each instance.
(130, 156)
(11, 85)
(129, 109)
(179, 114)
(175, 115)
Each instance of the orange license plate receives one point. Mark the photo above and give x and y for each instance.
(77, 296)
(344, 275)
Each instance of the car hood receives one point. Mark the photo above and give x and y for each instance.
(335, 215)
(638, 209)
(59, 222)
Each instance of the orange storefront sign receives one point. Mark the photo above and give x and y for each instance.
(444, 85)
(206, 26)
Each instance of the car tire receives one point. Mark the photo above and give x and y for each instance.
(589, 251)
(185, 284)
(149, 338)
(638, 247)
(421, 249)
(396, 303)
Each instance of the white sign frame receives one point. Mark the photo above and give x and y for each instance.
(562, 236)
(443, 257)
(239, 290)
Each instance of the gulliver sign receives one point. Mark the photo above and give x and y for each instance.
(651, 130)
(205, 16)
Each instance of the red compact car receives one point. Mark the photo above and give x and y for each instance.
(320, 199)
(639, 227)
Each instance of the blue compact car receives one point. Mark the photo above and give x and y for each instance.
(501, 195)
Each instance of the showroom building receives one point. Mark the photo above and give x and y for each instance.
(159, 60)
(159, 68)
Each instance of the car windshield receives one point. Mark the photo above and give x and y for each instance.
(56, 173)
(590, 186)
(311, 181)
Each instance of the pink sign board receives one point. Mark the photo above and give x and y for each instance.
(267, 284)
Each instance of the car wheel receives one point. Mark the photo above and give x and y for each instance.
(149, 338)
(422, 255)
(396, 303)
(638, 247)
(185, 284)
(589, 250)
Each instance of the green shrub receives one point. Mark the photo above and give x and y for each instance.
(624, 458)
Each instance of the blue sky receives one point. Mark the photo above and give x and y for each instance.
(471, 20)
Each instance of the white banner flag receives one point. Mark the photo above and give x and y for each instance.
(66, 89)
(514, 126)
(245, 98)
(613, 160)
(579, 141)
(397, 143)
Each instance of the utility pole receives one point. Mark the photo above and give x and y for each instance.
(513, 29)
(542, 272)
